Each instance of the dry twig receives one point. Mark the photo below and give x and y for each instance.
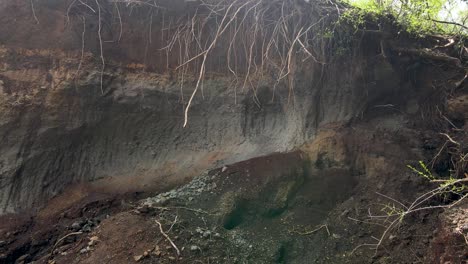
(312, 231)
(168, 238)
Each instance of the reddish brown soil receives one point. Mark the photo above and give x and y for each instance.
(129, 233)
(28, 235)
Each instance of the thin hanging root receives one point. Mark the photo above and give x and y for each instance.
(82, 47)
(34, 12)
(88, 6)
(283, 38)
(100, 45)
(250, 57)
(261, 42)
(220, 31)
(68, 11)
(202, 72)
(120, 22)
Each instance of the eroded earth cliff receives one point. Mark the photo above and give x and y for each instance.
(96, 166)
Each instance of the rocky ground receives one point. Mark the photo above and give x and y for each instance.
(307, 206)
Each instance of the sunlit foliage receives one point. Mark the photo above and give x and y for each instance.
(422, 16)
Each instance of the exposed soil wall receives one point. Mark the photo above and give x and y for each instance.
(81, 143)
(59, 128)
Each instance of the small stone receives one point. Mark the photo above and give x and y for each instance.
(217, 235)
(194, 248)
(138, 258)
(207, 234)
(86, 228)
(163, 201)
(144, 209)
(76, 226)
(345, 213)
(92, 241)
(224, 169)
(171, 258)
(22, 259)
(84, 250)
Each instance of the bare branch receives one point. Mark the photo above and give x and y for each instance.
(450, 23)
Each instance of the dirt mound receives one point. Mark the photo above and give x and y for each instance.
(307, 206)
